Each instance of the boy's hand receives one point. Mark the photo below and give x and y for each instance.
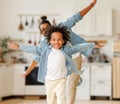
(99, 45)
(13, 45)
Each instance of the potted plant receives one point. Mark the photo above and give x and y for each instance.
(3, 47)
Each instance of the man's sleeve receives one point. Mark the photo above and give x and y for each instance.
(71, 21)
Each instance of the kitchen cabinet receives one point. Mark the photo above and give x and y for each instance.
(116, 70)
(116, 77)
(96, 23)
(101, 22)
(32, 86)
(9, 77)
(19, 81)
(101, 80)
(83, 88)
(116, 46)
(1, 81)
(6, 79)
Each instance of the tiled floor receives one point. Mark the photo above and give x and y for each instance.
(22, 101)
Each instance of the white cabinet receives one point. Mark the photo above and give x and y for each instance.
(101, 80)
(6, 79)
(9, 79)
(101, 22)
(1, 81)
(83, 89)
(19, 81)
(96, 23)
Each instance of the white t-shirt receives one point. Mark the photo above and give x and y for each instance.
(56, 65)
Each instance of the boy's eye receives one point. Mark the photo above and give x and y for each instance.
(56, 39)
(53, 39)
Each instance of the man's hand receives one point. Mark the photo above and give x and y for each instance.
(24, 74)
(94, 2)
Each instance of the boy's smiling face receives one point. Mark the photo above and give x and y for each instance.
(56, 40)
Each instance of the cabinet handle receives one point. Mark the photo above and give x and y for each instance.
(101, 66)
(101, 82)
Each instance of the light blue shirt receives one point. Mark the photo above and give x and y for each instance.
(67, 51)
(75, 39)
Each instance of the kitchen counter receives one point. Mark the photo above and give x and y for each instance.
(97, 64)
(27, 64)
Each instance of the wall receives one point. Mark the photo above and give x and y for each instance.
(10, 10)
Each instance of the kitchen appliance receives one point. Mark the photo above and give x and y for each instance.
(32, 86)
(116, 70)
(31, 79)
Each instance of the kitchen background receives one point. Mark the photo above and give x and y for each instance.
(101, 24)
(14, 12)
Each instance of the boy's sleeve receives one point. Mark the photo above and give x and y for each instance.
(88, 47)
(31, 49)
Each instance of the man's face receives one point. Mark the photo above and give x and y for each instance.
(43, 28)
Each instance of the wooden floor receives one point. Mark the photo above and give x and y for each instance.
(40, 101)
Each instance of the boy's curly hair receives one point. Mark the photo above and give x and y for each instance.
(62, 29)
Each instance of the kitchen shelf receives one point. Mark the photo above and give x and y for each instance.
(54, 14)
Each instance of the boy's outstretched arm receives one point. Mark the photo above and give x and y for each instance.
(99, 45)
(88, 8)
(85, 47)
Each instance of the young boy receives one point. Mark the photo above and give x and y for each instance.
(56, 62)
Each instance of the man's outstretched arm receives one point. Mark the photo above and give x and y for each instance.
(84, 11)
(30, 68)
